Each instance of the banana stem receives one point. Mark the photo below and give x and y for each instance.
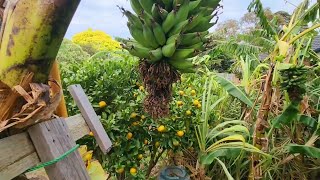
(304, 33)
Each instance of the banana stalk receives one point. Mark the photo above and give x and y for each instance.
(31, 35)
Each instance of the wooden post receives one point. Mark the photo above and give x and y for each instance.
(51, 139)
(91, 117)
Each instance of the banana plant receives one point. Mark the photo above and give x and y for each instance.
(227, 136)
(166, 34)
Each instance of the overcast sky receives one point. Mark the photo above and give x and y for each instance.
(104, 14)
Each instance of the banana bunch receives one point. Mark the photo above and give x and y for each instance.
(169, 30)
(293, 81)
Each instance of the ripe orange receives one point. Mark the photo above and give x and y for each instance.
(199, 106)
(136, 123)
(102, 104)
(161, 128)
(196, 102)
(180, 133)
(143, 117)
(141, 88)
(179, 103)
(181, 93)
(188, 113)
(193, 92)
(133, 171)
(129, 135)
(91, 133)
(133, 115)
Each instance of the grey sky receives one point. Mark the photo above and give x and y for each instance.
(104, 14)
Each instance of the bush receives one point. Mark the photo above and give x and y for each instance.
(70, 52)
(94, 41)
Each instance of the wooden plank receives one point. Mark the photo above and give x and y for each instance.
(51, 139)
(19, 166)
(90, 117)
(77, 127)
(20, 153)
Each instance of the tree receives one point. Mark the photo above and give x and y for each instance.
(93, 41)
(71, 52)
(228, 28)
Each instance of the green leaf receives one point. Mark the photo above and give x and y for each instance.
(307, 120)
(236, 128)
(227, 153)
(288, 115)
(225, 169)
(234, 90)
(305, 150)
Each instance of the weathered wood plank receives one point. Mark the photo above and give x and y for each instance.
(21, 154)
(51, 139)
(90, 117)
(77, 127)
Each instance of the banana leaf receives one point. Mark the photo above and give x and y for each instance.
(287, 116)
(308, 121)
(234, 90)
(305, 150)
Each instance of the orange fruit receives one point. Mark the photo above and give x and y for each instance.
(136, 123)
(102, 104)
(188, 113)
(140, 156)
(129, 135)
(161, 128)
(157, 144)
(133, 171)
(199, 106)
(133, 115)
(180, 133)
(193, 92)
(196, 102)
(120, 170)
(91, 133)
(141, 88)
(145, 142)
(179, 103)
(143, 117)
(181, 93)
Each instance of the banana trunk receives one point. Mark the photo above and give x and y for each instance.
(31, 36)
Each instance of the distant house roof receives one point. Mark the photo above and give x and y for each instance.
(316, 44)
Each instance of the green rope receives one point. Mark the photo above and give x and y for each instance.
(63, 156)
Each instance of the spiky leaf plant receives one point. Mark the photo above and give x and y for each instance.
(166, 34)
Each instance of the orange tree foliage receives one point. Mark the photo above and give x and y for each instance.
(95, 41)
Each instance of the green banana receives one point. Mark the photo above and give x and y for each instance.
(146, 18)
(156, 12)
(183, 12)
(169, 49)
(168, 4)
(133, 19)
(156, 55)
(136, 6)
(163, 13)
(193, 38)
(202, 26)
(193, 22)
(137, 34)
(149, 37)
(183, 65)
(183, 54)
(139, 51)
(198, 46)
(158, 33)
(177, 3)
(193, 5)
(177, 29)
(210, 3)
(147, 5)
(169, 22)
(174, 39)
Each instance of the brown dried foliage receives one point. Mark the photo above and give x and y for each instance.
(158, 79)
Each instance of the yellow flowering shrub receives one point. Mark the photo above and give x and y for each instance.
(97, 40)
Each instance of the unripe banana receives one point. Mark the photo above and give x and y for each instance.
(149, 37)
(169, 49)
(183, 54)
(169, 22)
(203, 24)
(210, 3)
(174, 39)
(193, 38)
(156, 12)
(158, 33)
(183, 65)
(146, 18)
(156, 55)
(147, 5)
(137, 34)
(163, 13)
(177, 29)
(198, 46)
(183, 11)
(136, 6)
(168, 4)
(193, 5)
(133, 19)
(139, 51)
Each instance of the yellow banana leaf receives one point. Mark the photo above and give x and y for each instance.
(96, 172)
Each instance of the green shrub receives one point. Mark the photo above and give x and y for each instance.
(70, 52)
